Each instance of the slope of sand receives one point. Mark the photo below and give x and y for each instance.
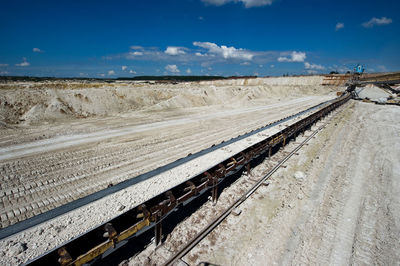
(29, 103)
(337, 203)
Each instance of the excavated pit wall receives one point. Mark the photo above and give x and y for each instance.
(30, 103)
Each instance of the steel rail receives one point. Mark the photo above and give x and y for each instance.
(211, 226)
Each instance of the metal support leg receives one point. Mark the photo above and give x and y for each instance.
(269, 152)
(248, 169)
(158, 229)
(215, 191)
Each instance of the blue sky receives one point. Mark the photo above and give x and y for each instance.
(197, 37)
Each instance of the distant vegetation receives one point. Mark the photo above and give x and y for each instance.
(36, 79)
(173, 78)
(149, 78)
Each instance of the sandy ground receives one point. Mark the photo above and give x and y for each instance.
(50, 155)
(43, 174)
(336, 203)
(373, 93)
(53, 233)
(53, 156)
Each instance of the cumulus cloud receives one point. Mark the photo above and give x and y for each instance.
(124, 68)
(132, 71)
(247, 3)
(188, 71)
(3, 73)
(111, 72)
(136, 47)
(245, 64)
(313, 66)
(172, 68)
(24, 63)
(3, 65)
(377, 22)
(382, 68)
(340, 69)
(294, 57)
(312, 71)
(339, 26)
(37, 50)
(172, 50)
(206, 53)
(224, 51)
(136, 53)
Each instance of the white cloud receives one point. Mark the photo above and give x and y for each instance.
(3, 73)
(111, 72)
(377, 21)
(224, 51)
(172, 68)
(172, 50)
(132, 71)
(3, 65)
(24, 63)
(340, 69)
(136, 47)
(294, 57)
(311, 71)
(102, 75)
(82, 74)
(247, 3)
(200, 18)
(245, 64)
(272, 66)
(339, 26)
(136, 53)
(206, 53)
(124, 68)
(37, 50)
(313, 66)
(188, 71)
(382, 68)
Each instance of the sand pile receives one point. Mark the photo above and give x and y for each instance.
(373, 92)
(37, 102)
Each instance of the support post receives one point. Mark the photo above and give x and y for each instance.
(215, 191)
(158, 229)
(248, 169)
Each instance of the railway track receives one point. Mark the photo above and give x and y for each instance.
(115, 233)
